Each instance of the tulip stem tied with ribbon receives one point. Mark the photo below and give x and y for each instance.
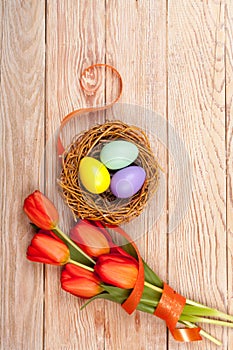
(97, 268)
(149, 285)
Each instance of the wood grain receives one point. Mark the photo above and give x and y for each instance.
(176, 61)
(75, 40)
(128, 48)
(196, 107)
(229, 153)
(22, 29)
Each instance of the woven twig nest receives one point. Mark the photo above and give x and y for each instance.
(106, 207)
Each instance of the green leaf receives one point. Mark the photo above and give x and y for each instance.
(151, 277)
(76, 256)
(115, 294)
(104, 295)
(128, 248)
(145, 308)
(119, 294)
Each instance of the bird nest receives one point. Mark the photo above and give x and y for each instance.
(106, 207)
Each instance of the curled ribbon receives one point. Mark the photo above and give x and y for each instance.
(170, 306)
(169, 309)
(89, 85)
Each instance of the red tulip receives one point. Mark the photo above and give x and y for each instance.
(47, 250)
(118, 270)
(41, 211)
(90, 239)
(80, 282)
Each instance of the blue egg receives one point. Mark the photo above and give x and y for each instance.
(128, 181)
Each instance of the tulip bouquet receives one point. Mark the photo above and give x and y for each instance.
(96, 267)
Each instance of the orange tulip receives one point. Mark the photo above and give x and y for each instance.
(47, 250)
(80, 282)
(41, 211)
(90, 239)
(118, 270)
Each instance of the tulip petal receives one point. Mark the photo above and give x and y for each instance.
(41, 211)
(81, 288)
(80, 282)
(90, 239)
(117, 270)
(46, 249)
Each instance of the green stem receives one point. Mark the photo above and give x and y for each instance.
(203, 333)
(63, 235)
(149, 302)
(214, 312)
(205, 320)
(81, 265)
(223, 315)
(195, 319)
(146, 307)
(193, 303)
(210, 337)
(151, 286)
(206, 312)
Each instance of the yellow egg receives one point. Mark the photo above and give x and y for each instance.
(94, 175)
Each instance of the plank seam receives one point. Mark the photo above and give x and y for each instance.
(44, 165)
(226, 165)
(2, 21)
(167, 161)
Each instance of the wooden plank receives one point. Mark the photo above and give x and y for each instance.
(22, 47)
(136, 46)
(196, 108)
(75, 40)
(229, 153)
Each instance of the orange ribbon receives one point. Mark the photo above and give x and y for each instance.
(170, 306)
(131, 303)
(169, 309)
(89, 86)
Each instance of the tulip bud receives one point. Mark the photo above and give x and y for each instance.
(90, 239)
(47, 250)
(117, 270)
(80, 282)
(41, 211)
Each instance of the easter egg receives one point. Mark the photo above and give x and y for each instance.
(94, 175)
(118, 154)
(128, 181)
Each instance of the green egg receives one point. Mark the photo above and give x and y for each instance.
(118, 154)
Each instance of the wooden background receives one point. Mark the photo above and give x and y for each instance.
(175, 58)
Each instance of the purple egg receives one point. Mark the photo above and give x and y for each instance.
(128, 181)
